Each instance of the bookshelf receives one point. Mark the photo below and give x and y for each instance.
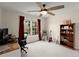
(67, 33)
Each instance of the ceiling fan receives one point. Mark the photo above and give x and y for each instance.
(43, 10)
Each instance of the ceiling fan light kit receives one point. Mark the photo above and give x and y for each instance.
(43, 12)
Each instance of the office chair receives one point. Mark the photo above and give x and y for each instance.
(22, 44)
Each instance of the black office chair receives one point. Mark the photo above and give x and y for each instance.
(22, 44)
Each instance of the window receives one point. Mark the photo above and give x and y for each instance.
(34, 28)
(30, 27)
(27, 27)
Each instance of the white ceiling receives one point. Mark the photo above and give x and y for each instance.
(27, 6)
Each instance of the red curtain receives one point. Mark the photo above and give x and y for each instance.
(39, 29)
(21, 28)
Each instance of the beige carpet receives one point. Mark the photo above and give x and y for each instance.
(11, 47)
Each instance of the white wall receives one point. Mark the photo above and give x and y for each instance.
(0, 17)
(76, 36)
(10, 20)
(32, 38)
(61, 15)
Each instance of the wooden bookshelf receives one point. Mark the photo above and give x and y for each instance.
(67, 33)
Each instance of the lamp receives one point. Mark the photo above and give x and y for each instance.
(43, 12)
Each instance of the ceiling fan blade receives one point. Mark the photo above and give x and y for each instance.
(40, 4)
(34, 11)
(56, 7)
(51, 13)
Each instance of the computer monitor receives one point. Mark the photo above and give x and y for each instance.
(5, 31)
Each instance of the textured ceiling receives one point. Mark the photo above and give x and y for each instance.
(27, 6)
